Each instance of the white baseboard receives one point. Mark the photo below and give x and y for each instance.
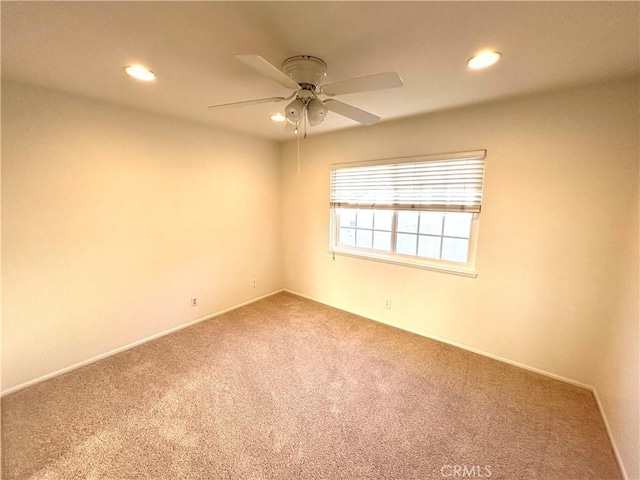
(48, 376)
(234, 307)
(610, 434)
(500, 359)
(458, 345)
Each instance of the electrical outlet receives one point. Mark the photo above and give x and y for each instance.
(387, 303)
(253, 284)
(194, 302)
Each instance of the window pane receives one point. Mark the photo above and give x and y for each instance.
(364, 238)
(408, 221)
(382, 240)
(347, 236)
(457, 224)
(455, 250)
(406, 243)
(423, 235)
(429, 246)
(347, 217)
(365, 219)
(383, 220)
(431, 223)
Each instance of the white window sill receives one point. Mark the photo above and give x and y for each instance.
(407, 263)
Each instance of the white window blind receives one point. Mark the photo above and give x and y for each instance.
(426, 183)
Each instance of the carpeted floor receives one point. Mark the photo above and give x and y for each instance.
(286, 388)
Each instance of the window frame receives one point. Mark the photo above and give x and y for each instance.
(467, 269)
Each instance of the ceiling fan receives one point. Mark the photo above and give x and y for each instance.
(304, 74)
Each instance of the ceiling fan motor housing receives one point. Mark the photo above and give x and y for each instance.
(305, 70)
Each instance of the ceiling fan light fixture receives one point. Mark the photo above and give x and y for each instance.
(140, 73)
(316, 112)
(294, 110)
(278, 117)
(483, 59)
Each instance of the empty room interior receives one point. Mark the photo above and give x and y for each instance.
(320, 240)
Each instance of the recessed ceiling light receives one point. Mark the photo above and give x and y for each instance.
(140, 72)
(278, 117)
(483, 59)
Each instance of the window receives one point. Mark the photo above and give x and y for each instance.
(422, 211)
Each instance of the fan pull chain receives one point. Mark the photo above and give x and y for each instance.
(298, 141)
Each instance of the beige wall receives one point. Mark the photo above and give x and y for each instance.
(113, 219)
(616, 375)
(557, 285)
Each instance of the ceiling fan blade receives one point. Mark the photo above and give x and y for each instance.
(248, 102)
(364, 84)
(263, 67)
(351, 112)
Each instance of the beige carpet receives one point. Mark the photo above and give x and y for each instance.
(286, 388)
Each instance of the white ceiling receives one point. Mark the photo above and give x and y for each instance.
(82, 47)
